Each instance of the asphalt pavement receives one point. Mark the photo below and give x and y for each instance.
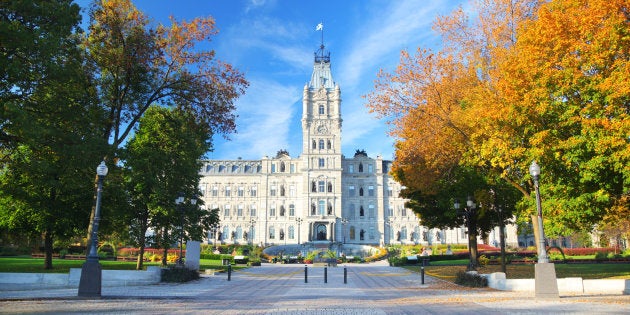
(284, 289)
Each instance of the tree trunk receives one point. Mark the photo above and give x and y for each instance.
(164, 256)
(472, 240)
(92, 214)
(142, 243)
(48, 249)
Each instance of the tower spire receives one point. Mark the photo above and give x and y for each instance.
(321, 56)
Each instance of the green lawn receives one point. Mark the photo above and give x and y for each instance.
(28, 264)
(526, 271)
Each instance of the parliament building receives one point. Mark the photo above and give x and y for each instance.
(320, 195)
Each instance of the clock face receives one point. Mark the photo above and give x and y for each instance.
(322, 129)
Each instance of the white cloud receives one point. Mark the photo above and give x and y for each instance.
(407, 25)
(265, 115)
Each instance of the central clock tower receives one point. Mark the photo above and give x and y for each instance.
(321, 150)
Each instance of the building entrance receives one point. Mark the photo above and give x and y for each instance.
(321, 232)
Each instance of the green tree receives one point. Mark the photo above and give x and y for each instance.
(162, 161)
(50, 122)
(140, 65)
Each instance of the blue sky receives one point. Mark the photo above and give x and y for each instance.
(272, 42)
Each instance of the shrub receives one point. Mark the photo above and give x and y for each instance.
(483, 260)
(601, 256)
(178, 274)
(470, 279)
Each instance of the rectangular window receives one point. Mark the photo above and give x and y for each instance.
(239, 211)
(322, 207)
(390, 192)
(272, 192)
(202, 188)
(372, 234)
(350, 168)
(272, 211)
(252, 210)
(292, 191)
(291, 210)
(371, 212)
(292, 168)
(273, 168)
(351, 191)
(321, 162)
(241, 191)
(370, 168)
(322, 186)
(371, 191)
(253, 191)
(272, 233)
(403, 212)
(226, 211)
(215, 191)
(228, 191)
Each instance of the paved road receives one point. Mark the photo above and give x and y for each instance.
(280, 289)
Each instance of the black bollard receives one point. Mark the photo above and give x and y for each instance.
(229, 272)
(325, 274)
(345, 275)
(305, 274)
(422, 274)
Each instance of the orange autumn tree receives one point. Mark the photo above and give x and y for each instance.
(565, 92)
(536, 81)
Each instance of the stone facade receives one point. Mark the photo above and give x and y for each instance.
(320, 196)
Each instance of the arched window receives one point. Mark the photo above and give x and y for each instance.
(361, 211)
(321, 110)
(329, 145)
(282, 167)
(361, 191)
(321, 144)
(360, 167)
(226, 233)
(329, 187)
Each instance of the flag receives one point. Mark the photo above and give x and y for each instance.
(319, 27)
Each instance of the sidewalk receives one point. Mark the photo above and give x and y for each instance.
(281, 289)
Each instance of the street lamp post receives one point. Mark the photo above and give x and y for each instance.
(252, 221)
(91, 272)
(545, 272)
(534, 171)
(179, 202)
(469, 213)
(344, 222)
(299, 221)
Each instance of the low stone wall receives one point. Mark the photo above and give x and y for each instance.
(498, 281)
(110, 278)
